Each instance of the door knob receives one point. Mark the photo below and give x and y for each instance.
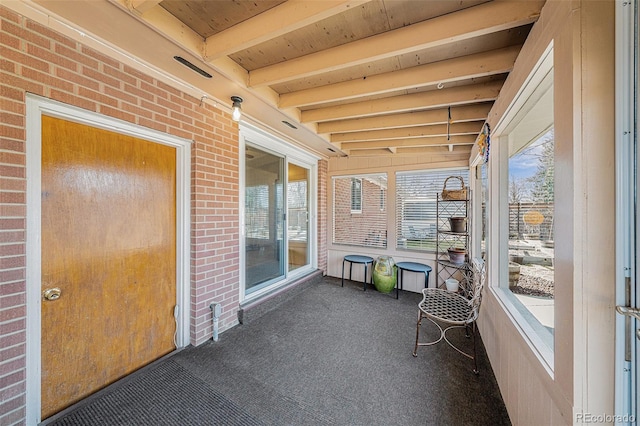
(51, 294)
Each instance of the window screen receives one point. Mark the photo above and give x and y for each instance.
(416, 195)
(366, 226)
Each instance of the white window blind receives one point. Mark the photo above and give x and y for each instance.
(366, 226)
(416, 195)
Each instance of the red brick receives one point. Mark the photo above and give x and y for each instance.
(99, 76)
(9, 15)
(148, 87)
(11, 105)
(12, 171)
(116, 113)
(137, 74)
(151, 124)
(12, 275)
(8, 66)
(98, 97)
(99, 56)
(77, 79)
(11, 392)
(75, 56)
(36, 27)
(48, 57)
(71, 99)
(122, 95)
(12, 313)
(12, 210)
(141, 94)
(13, 339)
(26, 35)
(47, 79)
(12, 404)
(12, 119)
(12, 288)
(10, 82)
(10, 327)
(12, 158)
(119, 75)
(9, 92)
(12, 185)
(12, 223)
(134, 109)
(12, 299)
(10, 132)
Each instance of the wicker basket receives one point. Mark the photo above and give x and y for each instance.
(454, 194)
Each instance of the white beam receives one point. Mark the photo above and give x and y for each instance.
(459, 114)
(468, 23)
(284, 18)
(466, 67)
(413, 142)
(423, 100)
(470, 128)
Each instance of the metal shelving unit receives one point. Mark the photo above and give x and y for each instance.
(446, 239)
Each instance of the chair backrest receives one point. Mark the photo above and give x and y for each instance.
(475, 297)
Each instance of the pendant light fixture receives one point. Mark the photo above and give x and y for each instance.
(236, 108)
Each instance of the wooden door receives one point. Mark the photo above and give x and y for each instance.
(109, 245)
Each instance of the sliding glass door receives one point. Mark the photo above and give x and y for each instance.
(279, 212)
(264, 218)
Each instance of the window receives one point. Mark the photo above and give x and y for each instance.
(416, 195)
(523, 248)
(359, 211)
(356, 195)
(531, 254)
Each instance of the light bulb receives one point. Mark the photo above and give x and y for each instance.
(236, 114)
(236, 109)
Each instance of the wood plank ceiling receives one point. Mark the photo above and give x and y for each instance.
(377, 77)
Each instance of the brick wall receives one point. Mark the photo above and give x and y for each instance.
(365, 228)
(323, 231)
(37, 60)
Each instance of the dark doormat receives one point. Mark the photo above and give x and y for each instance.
(166, 395)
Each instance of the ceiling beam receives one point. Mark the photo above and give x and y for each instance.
(141, 6)
(459, 114)
(282, 19)
(460, 153)
(469, 128)
(423, 100)
(412, 142)
(468, 23)
(483, 64)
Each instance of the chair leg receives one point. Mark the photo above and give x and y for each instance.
(364, 280)
(343, 273)
(415, 350)
(475, 355)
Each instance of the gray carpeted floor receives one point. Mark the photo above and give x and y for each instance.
(328, 356)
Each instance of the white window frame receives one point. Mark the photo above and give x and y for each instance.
(292, 154)
(538, 338)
